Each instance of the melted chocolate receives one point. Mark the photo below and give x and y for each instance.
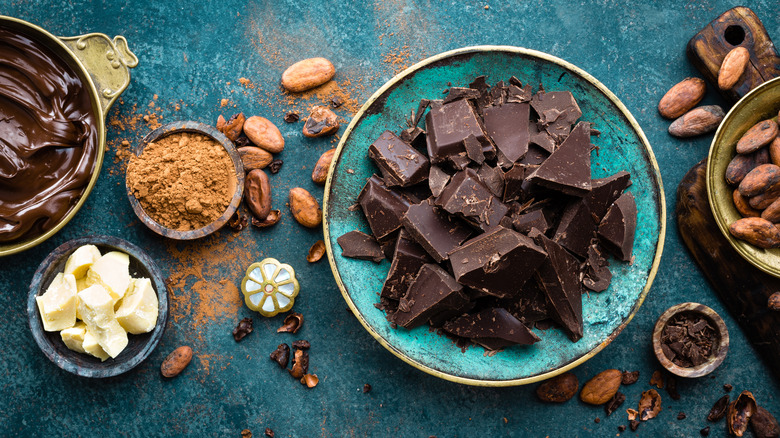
(48, 137)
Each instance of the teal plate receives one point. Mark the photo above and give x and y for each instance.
(622, 146)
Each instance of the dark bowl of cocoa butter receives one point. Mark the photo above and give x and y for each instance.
(690, 340)
(185, 180)
(52, 125)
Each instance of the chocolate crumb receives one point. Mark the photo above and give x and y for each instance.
(621, 428)
(269, 433)
(275, 165)
(727, 387)
(629, 378)
(705, 431)
(238, 221)
(366, 388)
(597, 420)
(336, 102)
(681, 416)
(671, 387)
(301, 344)
(634, 424)
(614, 403)
(243, 328)
(291, 117)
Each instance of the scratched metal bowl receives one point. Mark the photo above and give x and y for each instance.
(760, 104)
(139, 347)
(623, 146)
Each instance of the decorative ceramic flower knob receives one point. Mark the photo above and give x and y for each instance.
(270, 287)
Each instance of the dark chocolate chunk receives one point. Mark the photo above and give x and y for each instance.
(455, 93)
(617, 229)
(567, 170)
(533, 219)
(493, 177)
(535, 155)
(474, 149)
(468, 197)
(359, 245)
(558, 278)
(497, 262)
(382, 207)
(415, 137)
(513, 182)
(408, 258)
(401, 164)
(529, 305)
(576, 228)
(437, 179)
(432, 291)
(597, 274)
(558, 111)
(459, 161)
(507, 126)
(604, 191)
(519, 94)
(434, 229)
(493, 328)
(448, 125)
(540, 138)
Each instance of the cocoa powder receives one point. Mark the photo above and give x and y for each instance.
(182, 181)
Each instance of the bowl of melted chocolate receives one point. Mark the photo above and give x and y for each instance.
(52, 127)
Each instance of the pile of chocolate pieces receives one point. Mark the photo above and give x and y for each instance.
(499, 226)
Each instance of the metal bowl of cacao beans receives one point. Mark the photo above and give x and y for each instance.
(189, 184)
(743, 177)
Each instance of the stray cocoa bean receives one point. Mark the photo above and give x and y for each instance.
(649, 405)
(254, 158)
(698, 121)
(292, 323)
(764, 424)
(320, 173)
(232, 127)
(264, 134)
(272, 218)
(732, 67)
(316, 252)
(257, 193)
(682, 97)
(739, 413)
(558, 389)
(719, 409)
(321, 122)
(243, 328)
(305, 208)
(307, 74)
(176, 362)
(760, 135)
(281, 355)
(774, 302)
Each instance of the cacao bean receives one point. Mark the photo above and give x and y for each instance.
(739, 413)
(232, 127)
(305, 208)
(558, 389)
(264, 134)
(321, 122)
(719, 409)
(254, 158)
(759, 180)
(774, 151)
(743, 206)
(760, 135)
(697, 121)
(682, 97)
(742, 164)
(649, 405)
(320, 172)
(176, 362)
(764, 424)
(733, 67)
(757, 231)
(602, 387)
(307, 74)
(257, 193)
(764, 200)
(772, 213)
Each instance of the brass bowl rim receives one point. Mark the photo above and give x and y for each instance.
(211, 132)
(713, 362)
(749, 252)
(612, 98)
(97, 108)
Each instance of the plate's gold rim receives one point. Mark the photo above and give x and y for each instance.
(750, 253)
(612, 98)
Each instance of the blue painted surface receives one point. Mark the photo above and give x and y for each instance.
(188, 52)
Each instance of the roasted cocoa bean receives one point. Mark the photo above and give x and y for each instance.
(756, 231)
(270, 220)
(760, 135)
(307, 74)
(743, 205)
(742, 164)
(759, 180)
(264, 134)
(320, 172)
(602, 387)
(176, 362)
(254, 158)
(764, 424)
(733, 67)
(630, 377)
(614, 403)
(719, 409)
(281, 355)
(558, 389)
(304, 208)
(257, 193)
(764, 200)
(739, 413)
(649, 405)
(321, 122)
(243, 328)
(774, 151)
(316, 252)
(682, 97)
(697, 121)
(232, 127)
(772, 213)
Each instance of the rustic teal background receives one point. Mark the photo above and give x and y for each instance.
(192, 55)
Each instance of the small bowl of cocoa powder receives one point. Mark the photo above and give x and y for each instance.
(690, 340)
(185, 180)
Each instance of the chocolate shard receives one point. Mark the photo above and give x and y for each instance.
(497, 262)
(474, 149)
(401, 164)
(466, 196)
(507, 126)
(534, 156)
(382, 207)
(523, 223)
(448, 125)
(493, 178)
(558, 278)
(437, 180)
(540, 138)
(529, 305)
(558, 111)
(567, 170)
(459, 161)
(434, 229)
(576, 228)
(408, 258)
(604, 191)
(455, 93)
(359, 245)
(616, 230)
(415, 137)
(432, 291)
(519, 94)
(493, 328)
(513, 182)
(597, 275)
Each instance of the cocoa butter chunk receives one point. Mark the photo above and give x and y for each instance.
(400, 164)
(605, 191)
(507, 125)
(466, 196)
(448, 125)
(557, 111)
(382, 207)
(408, 258)
(497, 262)
(359, 245)
(567, 170)
(493, 328)
(433, 291)
(437, 180)
(616, 230)
(434, 229)
(558, 278)
(523, 223)
(576, 228)
(597, 275)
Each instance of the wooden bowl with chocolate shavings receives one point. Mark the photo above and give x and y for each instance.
(235, 182)
(690, 340)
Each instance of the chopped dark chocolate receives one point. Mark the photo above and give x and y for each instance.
(415, 137)
(519, 94)
(558, 278)
(466, 196)
(497, 262)
(432, 291)
(690, 338)
(605, 191)
(616, 230)
(567, 170)
(493, 328)
(532, 219)
(513, 182)
(401, 164)
(493, 178)
(576, 228)
(456, 93)
(448, 125)
(534, 156)
(382, 207)
(359, 245)
(507, 126)
(437, 179)
(529, 305)
(540, 138)
(408, 258)
(434, 229)
(558, 111)
(474, 149)
(597, 274)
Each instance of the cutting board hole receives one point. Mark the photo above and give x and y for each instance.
(734, 35)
